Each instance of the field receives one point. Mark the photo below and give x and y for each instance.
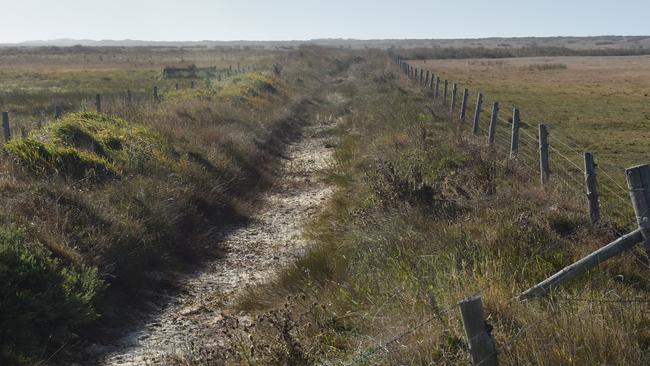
(369, 211)
(592, 104)
(598, 102)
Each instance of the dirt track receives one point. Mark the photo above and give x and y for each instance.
(253, 254)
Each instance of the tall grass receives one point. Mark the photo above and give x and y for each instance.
(425, 216)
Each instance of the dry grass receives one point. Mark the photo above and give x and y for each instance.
(425, 217)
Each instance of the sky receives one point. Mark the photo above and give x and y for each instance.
(193, 20)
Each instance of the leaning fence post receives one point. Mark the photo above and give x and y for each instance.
(463, 106)
(477, 113)
(514, 139)
(453, 98)
(493, 123)
(5, 126)
(57, 112)
(592, 190)
(98, 103)
(482, 347)
(543, 154)
(638, 182)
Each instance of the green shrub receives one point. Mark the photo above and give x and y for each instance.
(41, 301)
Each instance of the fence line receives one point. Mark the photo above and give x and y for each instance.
(15, 124)
(559, 152)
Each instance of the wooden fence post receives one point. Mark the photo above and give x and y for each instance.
(57, 112)
(129, 97)
(453, 98)
(618, 246)
(444, 98)
(638, 183)
(477, 113)
(543, 154)
(98, 103)
(514, 138)
(155, 93)
(592, 188)
(192, 84)
(426, 81)
(176, 86)
(482, 347)
(421, 77)
(433, 82)
(437, 92)
(493, 123)
(463, 106)
(5, 126)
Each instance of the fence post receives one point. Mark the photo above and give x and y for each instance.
(463, 106)
(155, 93)
(514, 139)
(192, 84)
(98, 103)
(426, 81)
(493, 123)
(482, 347)
(444, 98)
(592, 189)
(433, 82)
(57, 112)
(176, 86)
(421, 77)
(437, 92)
(453, 98)
(477, 113)
(129, 97)
(638, 182)
(543, 154)
(5, 126)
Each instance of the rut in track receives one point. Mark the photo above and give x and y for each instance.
(254, 254)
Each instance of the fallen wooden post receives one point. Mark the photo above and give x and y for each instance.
(638, 182)
(618, 246)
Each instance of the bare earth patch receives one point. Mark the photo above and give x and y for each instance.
(253, 255)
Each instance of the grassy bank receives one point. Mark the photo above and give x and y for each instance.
(96, 207)
(424, 217)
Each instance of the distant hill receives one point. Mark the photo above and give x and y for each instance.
(597, 42)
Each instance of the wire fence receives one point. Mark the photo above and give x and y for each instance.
(567, 174)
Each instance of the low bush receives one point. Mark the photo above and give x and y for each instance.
(43, 301)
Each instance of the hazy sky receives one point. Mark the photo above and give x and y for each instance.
(305, 19)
